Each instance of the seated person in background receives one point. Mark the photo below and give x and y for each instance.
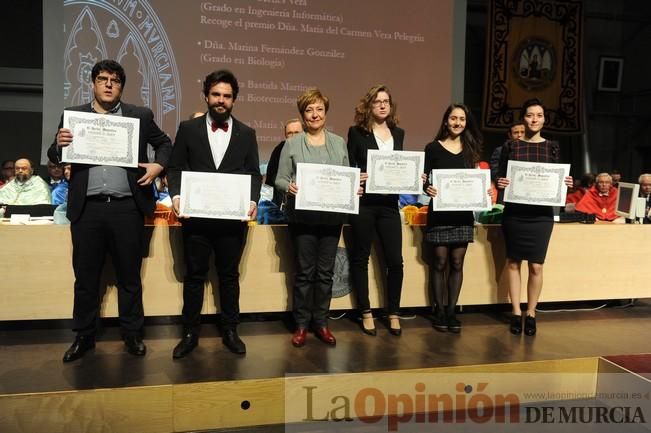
(55, 174)
(580, 188)
(7, 172)
(60, 191)
(600, 199)
(26, 187)
(645, 191)
(617, 177)
(161, 193)
(292, 127)
(516, 132)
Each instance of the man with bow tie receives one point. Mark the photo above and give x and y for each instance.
(214, 142)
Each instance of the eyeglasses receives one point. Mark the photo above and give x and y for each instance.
(100, 79)
(380, 102)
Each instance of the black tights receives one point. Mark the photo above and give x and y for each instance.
(454, 254)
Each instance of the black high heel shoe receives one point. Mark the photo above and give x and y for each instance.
(530, 326)
(516, 324)
(366, 315)
(394, 331)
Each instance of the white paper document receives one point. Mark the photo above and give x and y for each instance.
(461, 189)
(215, 195)
(394, 172)
(536, 183)
(101, 139)
(327, 188)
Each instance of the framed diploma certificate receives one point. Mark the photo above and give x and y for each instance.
(394, 172)
(327, 188)
(536, 183)
(215, 195)
(101, 139)
(461, 189)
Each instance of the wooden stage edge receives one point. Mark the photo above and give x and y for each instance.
(261, 402)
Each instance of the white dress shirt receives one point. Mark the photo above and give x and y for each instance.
(219, 139)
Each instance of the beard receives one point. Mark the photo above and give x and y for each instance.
(219, 117)
(22, 177)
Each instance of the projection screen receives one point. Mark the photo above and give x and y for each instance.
(276, 48)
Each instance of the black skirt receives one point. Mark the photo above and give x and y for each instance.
(450, 235)
(527, 230)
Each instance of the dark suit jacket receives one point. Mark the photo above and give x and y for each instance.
(272, 172)
(143, 195)
(192, 152)
(359, 143)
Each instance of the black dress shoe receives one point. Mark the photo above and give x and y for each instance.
(233, 342)
(453, 324)
(81, 345)
(530, 325)
(440, 322)
(516, 324)
(186, 345)
(135, 345)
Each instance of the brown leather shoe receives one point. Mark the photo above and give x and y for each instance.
(326, 336)
(299, 337)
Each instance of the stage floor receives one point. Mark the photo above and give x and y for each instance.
(30, 359)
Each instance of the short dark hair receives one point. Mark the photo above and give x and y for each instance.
(530, 103)
(110, 66)
(221, 76)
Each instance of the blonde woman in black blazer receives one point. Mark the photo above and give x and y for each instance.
(376, 128)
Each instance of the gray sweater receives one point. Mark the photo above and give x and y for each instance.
(297, 150)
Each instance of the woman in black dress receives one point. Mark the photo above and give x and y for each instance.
(376, 128)
(457, 145)
(527, 228)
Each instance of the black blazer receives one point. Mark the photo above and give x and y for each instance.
(359, 143)
(192, 152)
(143, 195)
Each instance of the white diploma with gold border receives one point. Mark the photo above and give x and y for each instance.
(101, 139)
(215, 195)
(327, 188)
(461, 189)
(394, 172)
(536, 183)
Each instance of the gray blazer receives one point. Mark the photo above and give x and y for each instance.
(297, 150)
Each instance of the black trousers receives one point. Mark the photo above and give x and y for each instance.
(201, 237)
(316, 248)
(115, 227)
(386, 222)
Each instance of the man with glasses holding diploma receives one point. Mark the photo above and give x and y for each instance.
(106, 208)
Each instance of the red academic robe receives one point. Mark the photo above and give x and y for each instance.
(576, 196)
(601, 206)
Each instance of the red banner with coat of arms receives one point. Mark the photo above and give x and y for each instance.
(534, 50)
